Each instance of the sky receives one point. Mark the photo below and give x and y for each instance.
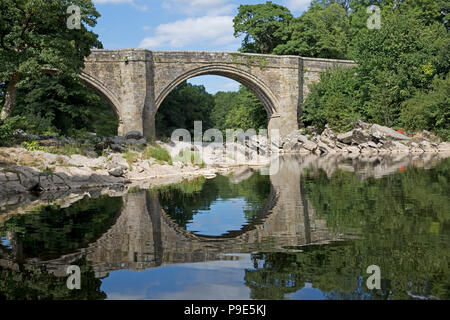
(177, 25)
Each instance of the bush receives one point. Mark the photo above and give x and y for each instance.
(157, 152)
(333, 101)
(7, 128)
(429, 110)
(130, 157)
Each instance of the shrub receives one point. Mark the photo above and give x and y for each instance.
(158, 153)
(7, 128)
(332, 101)
(130, 157)
(429, 110)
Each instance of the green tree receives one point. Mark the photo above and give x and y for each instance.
(395, 63)
(334, 101)
(63, 105)
(429, 109)
(321, 31)
(263, 26)
(403, 56)
(184, 105)
(34, 36)
(223, 104)
(246, 112)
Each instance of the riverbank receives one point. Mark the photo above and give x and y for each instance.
(45, 166)
(364, 166)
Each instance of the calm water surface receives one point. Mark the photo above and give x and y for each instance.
(305, 233)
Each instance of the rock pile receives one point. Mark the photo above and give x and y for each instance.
(364, 139)
(92, 143)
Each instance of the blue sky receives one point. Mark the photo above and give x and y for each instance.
(177, 25)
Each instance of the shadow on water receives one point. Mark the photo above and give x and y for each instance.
(308, 232)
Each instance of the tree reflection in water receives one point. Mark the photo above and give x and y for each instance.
(402, 224)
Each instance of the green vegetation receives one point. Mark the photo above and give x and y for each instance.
(41, 59)
(401, 77)
(43, 42)
(63, 149)
(190, 157)
(224, 110)
(63, 106)
(50, 231)
(131, 157)
(401, 223)
(184, 105)
(400, 80)
(158, 153)
(429, 109)
(262, 25)
(37, 283)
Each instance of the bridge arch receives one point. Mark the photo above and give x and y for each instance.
(230, 236)
(105, 93)
(253, 83)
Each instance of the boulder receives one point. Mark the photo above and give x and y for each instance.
(116, 172)
(396, 146)
(328, 134)
(444, 147)
(345, 137)
(362, 125)
(134, 135)
(118, 148)
(30, 183)
(309, 145)
(324, 149)
(356, 136)
(360, 136)
(427, 146)
(352, 149)
(381, 132)
(142, 142)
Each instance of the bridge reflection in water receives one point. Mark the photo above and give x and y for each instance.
(145, 236)
(138, 231)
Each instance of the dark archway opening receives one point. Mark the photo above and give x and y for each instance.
(218, 104)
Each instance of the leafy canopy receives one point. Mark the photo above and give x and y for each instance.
(34, 35)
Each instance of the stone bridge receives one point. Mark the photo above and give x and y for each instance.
(136, 81)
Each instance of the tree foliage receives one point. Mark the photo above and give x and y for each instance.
(184, 105)
(263, 26)
(402, 60)
(34, 37)
(64, 106)
(321, 32)
(406, 235)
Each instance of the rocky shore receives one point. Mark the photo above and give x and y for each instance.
(123, 159)
(364, 139)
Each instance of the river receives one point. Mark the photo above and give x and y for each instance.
(310, 231)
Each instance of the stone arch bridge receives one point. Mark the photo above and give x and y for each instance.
(136, 81)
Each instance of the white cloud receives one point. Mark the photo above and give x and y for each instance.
(208, 7)
(297, 5)
(207, 31)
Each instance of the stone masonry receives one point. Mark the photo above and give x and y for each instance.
(136, 81)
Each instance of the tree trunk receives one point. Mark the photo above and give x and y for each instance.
(10, 97)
